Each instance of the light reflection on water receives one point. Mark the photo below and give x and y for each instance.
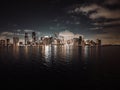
(53, 55)
(82, 64)
(48, 54)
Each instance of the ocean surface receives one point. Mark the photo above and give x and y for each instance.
(58, 66)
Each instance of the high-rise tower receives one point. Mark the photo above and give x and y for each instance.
(33, 36)
(26, 38)
(98, 41)
(15, 41)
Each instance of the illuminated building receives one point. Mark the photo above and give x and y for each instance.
(83, 43)
(92, 43)
(2, 42)
(80, 40)
(26, 38)
(56, 42)
(33, 36)
(98, 42)
(47, 40)
(67, 37)
(7, 42)
(15, 41)
(20, 43)
(76, 41)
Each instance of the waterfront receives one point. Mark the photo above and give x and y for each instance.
(60, 65)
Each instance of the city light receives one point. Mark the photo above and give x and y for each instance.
(62, 38)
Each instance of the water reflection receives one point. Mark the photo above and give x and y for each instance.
(16, 53)
(76, 64)
(26, 52)
(49, 54)
(56, 54)
(84, 52)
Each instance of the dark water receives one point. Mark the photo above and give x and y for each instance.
(58, 66)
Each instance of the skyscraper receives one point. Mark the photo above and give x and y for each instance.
(7, 42)
(15, 40)
(98, 41)
(2, 43)
(33, 36)
(80, 40)
(26, 38)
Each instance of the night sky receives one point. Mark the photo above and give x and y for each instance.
(91, 18)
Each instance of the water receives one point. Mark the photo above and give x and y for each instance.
(60, 65)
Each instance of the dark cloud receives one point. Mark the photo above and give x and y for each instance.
(112, 2)
(99, 11)
(106, 21)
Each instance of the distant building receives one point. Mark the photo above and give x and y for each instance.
(15, 41)
(46, 40)
(21, 44)
(67, 37)
(83, 43)
(7, 42)
(98, 42)
(80, 40)
(33, 36)
(2, 43)
(56, 41)
(26, 39)
(92, 43)
(76, 41)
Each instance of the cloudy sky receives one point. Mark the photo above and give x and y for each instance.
(91, 18)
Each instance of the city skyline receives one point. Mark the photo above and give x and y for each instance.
(91, 18)
(56, 44)
(62, 38)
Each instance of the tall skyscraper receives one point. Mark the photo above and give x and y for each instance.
(2, 43)
(15, 40)
(98, 41)
(7, 42)
(26, 38)
(33, 36)
(80, 40)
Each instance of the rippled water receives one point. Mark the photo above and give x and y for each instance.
(88, 66)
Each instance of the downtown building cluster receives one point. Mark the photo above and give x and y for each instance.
(63, 38)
